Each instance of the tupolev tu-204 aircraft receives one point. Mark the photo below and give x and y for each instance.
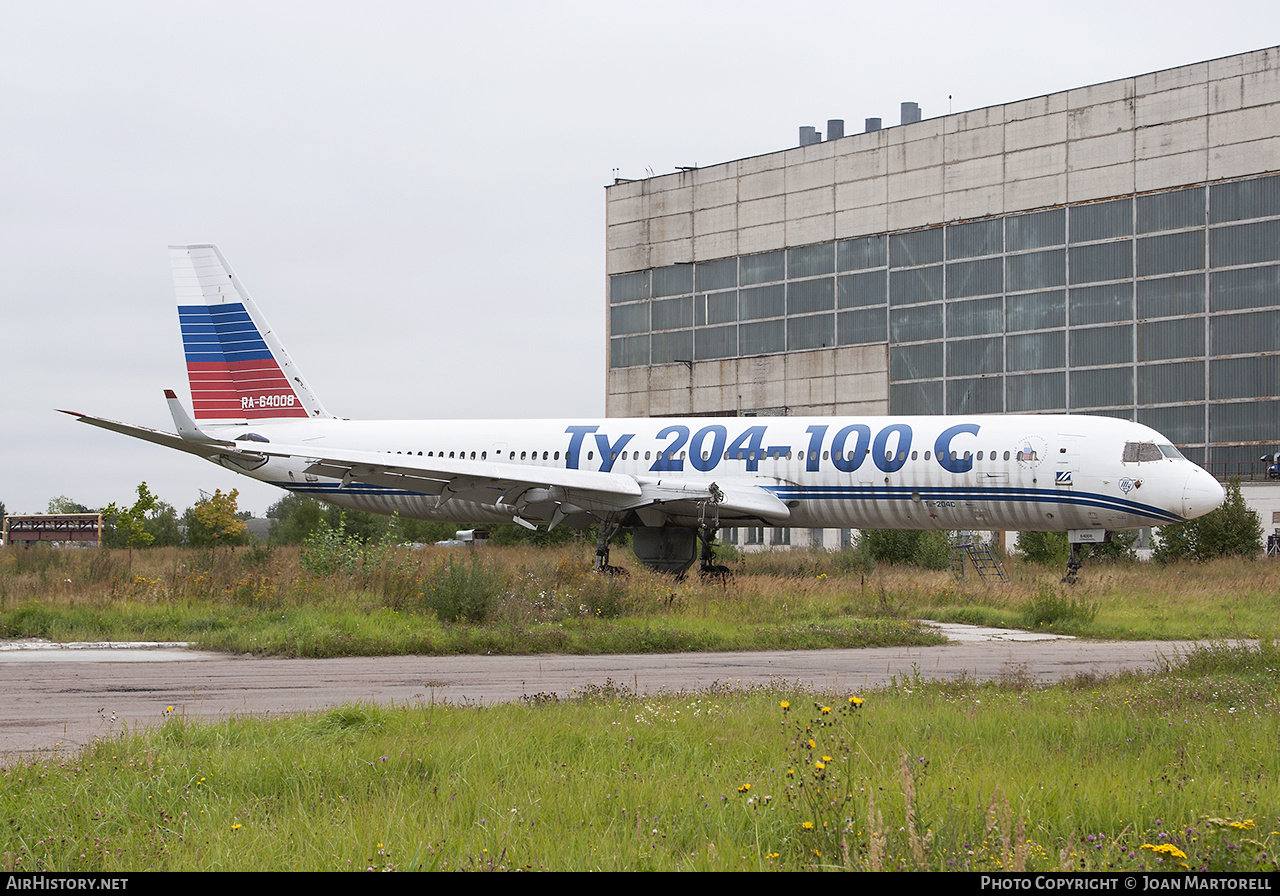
(673, 482)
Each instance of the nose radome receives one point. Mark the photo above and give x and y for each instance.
(1201, 494)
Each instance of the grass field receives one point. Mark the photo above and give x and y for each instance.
(528, 600)
(1173, 769)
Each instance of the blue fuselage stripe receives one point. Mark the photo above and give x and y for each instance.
(1010, 496)
(1002, 495)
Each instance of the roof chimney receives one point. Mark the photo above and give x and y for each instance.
(910, 113)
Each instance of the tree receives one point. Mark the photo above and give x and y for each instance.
(1231, 530)
(212, 521)
(1049, 548)
(293, 518)
(128, 525)
(163, 525)
(63, 504)
(1052, 548)
(1122, 546)
(927, 549)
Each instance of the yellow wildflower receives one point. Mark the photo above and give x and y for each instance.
(1166, 849)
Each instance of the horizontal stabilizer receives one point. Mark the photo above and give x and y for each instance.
(206, 449)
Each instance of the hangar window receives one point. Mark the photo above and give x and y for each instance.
(859, 254)
(1036, 230)
(916, 247)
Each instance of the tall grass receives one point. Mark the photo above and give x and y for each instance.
(547, 599)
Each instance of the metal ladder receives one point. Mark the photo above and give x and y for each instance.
(987, 564)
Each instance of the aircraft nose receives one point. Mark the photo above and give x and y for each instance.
(1201, 494)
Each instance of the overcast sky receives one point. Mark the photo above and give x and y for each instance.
(414, 192)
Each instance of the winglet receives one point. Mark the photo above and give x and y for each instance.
(182, 420)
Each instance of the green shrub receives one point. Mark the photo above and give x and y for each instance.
(906, 547)
(1049, 548)
(461, 590)
(328, 550)
(1050, 608)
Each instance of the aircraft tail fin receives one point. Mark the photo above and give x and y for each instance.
(238, 369)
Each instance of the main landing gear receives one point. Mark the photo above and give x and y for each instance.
(607, 532)
(667, 549)
(707, 568)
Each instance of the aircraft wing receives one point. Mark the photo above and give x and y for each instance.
(519, 485)
(206, 448)
(513, 487)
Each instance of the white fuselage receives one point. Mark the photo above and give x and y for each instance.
(1024, 473)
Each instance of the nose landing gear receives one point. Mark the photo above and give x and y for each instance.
(1073, 565)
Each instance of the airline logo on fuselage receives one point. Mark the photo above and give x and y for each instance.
(845, 448)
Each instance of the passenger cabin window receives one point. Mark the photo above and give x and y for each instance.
(1140, 452)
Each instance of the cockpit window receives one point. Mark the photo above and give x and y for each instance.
(1170, 452)
(1139, 452)
(252, 437)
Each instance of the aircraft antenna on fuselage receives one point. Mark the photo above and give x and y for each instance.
(238, 369)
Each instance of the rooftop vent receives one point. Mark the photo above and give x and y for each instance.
(910, 113)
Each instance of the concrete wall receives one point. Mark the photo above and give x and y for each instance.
(848, 381)
(1209, 121)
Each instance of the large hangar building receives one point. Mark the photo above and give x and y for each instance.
(1112, 249)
